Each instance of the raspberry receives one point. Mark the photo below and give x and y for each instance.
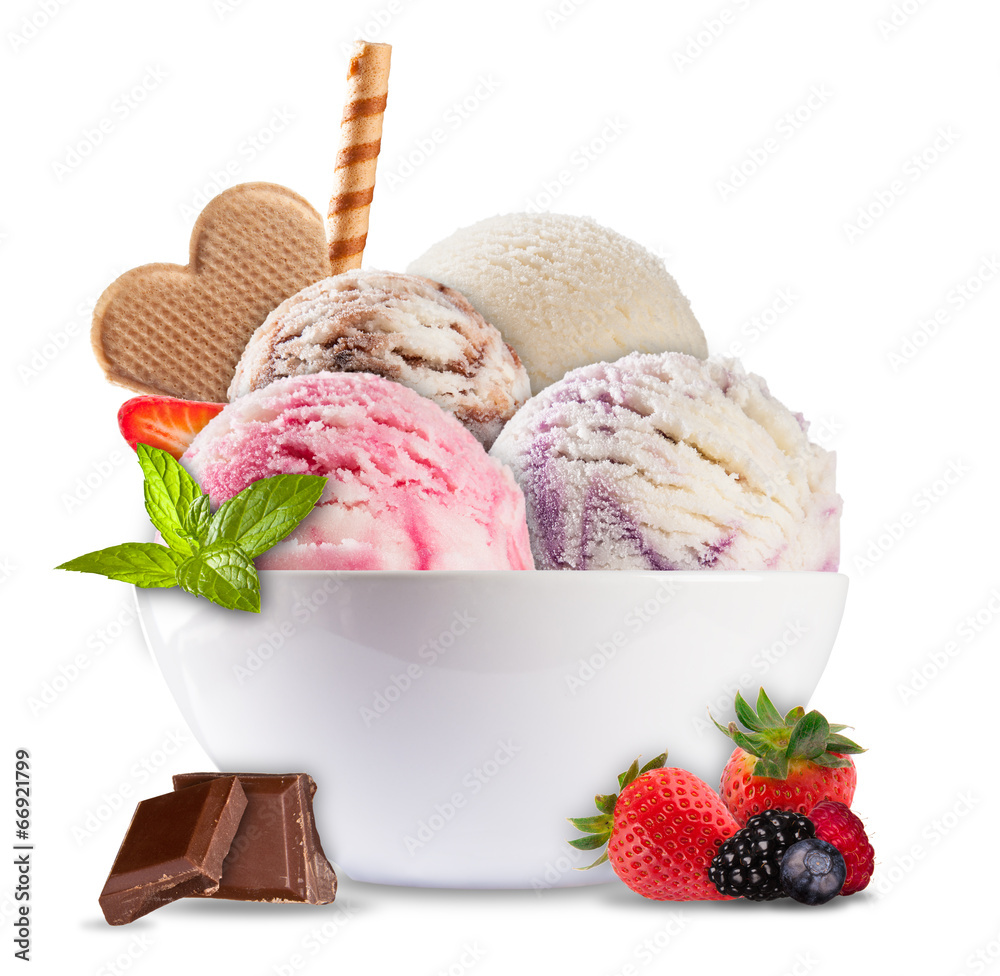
(838, 825)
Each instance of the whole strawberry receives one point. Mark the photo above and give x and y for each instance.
(789, 762)
(837, 825)
(662, 830)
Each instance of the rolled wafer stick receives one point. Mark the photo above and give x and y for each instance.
(360, 141)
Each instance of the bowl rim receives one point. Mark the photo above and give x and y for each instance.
(681, 575)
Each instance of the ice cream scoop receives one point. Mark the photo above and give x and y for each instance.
(671, 462)
(402, 327)
(564, 291)
(408, 487)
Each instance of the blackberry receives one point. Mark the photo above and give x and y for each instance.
(748, 864)
(813, 872)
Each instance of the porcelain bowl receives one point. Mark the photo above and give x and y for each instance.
(454, 720)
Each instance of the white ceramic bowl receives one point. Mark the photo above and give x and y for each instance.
(452, 721)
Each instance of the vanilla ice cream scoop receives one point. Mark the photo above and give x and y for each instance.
(565, 291)
(401, 327)
(671, 462)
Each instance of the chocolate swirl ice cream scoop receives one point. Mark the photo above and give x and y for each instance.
(403, 327)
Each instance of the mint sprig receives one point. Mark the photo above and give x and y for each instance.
(209, 554)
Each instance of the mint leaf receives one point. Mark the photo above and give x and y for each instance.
(265, 511)
(169, 491)
(141, 563)
(224, 573)
(197, 518)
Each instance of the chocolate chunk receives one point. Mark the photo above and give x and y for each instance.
(276, 854)
(174, 847)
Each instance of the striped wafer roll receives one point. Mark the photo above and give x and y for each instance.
(360, 140)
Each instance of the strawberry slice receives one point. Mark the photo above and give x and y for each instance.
(164, 422)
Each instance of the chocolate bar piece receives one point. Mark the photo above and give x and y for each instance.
(276, 854)
(174, 847)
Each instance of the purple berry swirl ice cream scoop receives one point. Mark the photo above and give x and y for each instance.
(664, 462)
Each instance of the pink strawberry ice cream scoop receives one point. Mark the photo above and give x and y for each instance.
(408, 487)
(670, 462)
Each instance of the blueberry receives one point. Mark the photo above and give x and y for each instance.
(813, 871)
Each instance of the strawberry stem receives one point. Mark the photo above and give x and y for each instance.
(778, 741)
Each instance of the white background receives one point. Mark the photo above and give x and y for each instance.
(893, 118)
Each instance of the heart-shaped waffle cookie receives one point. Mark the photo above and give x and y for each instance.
(180, 331)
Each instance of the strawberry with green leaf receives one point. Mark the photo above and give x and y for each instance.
(662, 830)
(785, 762)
